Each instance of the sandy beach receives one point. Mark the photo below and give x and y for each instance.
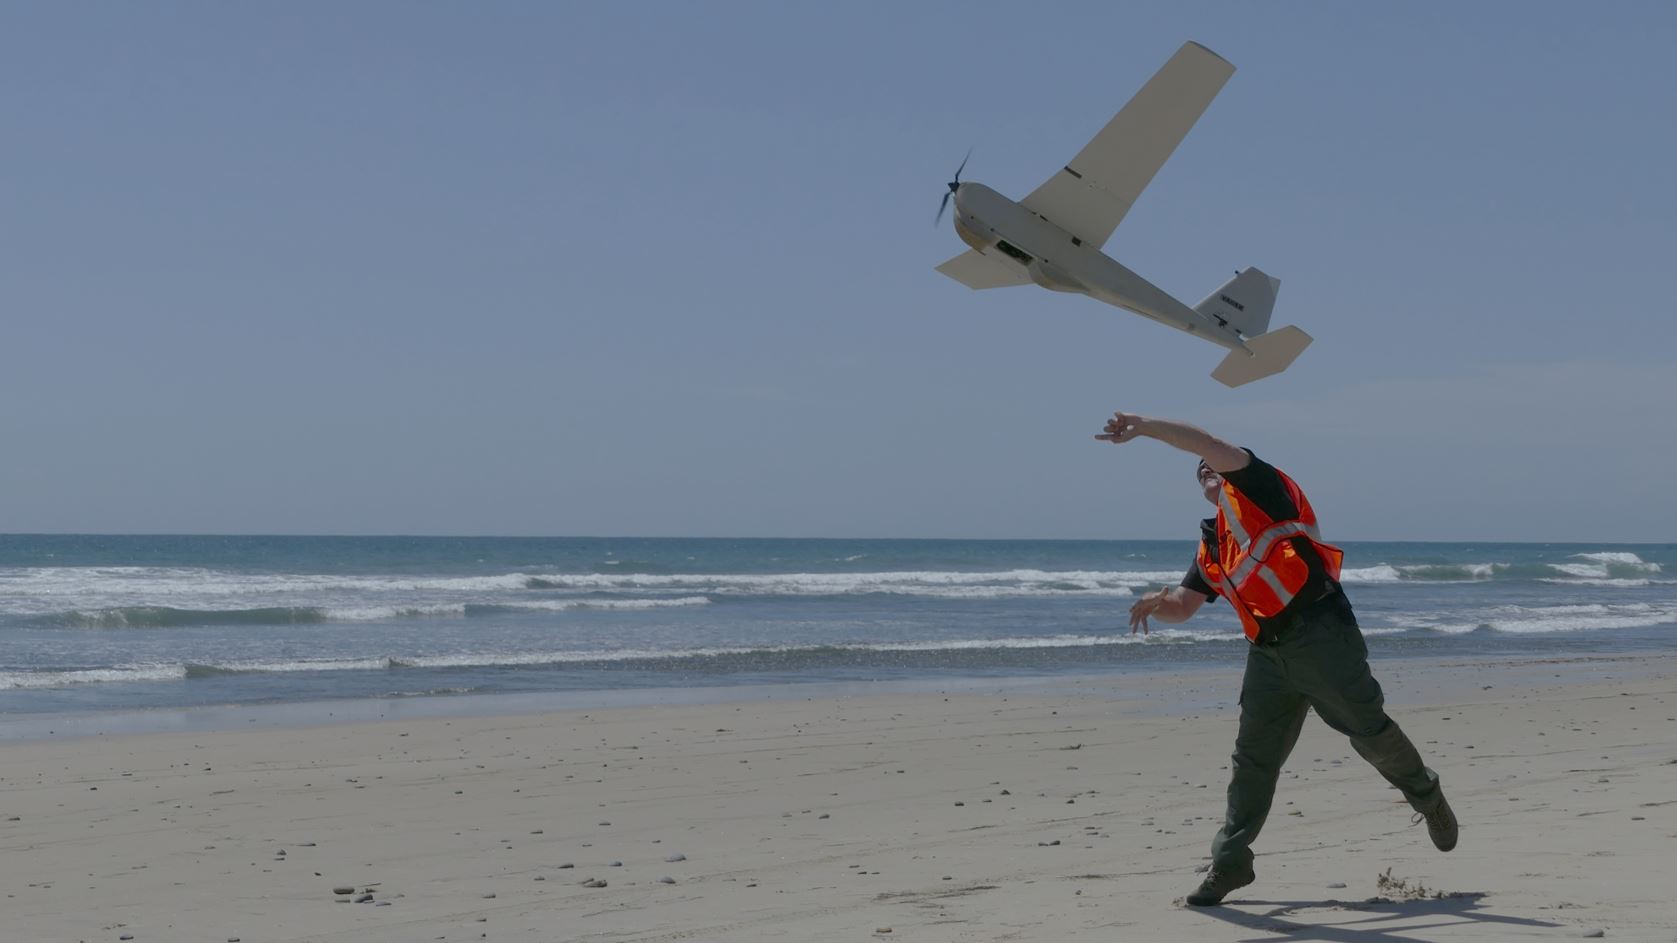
(1071, 810)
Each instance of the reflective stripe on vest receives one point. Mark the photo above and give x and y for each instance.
(1247, 566)
(1229, 514)
(1260, 548)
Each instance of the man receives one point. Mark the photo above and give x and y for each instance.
(1262, 552)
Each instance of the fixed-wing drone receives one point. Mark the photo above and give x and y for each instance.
(1053, 237)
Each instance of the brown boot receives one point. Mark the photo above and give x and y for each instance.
(1217, 885)
(1441, 823)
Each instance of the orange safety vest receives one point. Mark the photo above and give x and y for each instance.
(1258, 569)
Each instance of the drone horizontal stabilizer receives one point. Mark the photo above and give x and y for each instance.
(1264, 356)
(976, 270)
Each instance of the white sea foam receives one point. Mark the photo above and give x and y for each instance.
(1607, 565)
(289, 666)
(1609, 581)
(216, 669)
(1619, 557)
(1421, 572)
(1598, 566)
(386, 613)
(486, 660)
(58, 679)
(1384, 573)
(562, 605)
(921, 582)
(1533, 620)
(48, 590)
(195, 581)
(1581, 570)
(383, 613)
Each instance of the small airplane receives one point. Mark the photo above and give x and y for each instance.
(1053, 237)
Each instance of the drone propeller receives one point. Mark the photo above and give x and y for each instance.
(953, 186)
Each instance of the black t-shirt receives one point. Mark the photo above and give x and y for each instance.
(1261, 485)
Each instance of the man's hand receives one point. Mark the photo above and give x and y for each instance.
(1221, 456)
(1122, 427)
(1148, 604)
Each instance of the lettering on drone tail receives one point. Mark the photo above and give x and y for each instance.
(1232, 303)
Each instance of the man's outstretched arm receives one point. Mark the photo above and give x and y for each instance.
(1221, 456)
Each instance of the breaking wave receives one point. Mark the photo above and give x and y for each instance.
(1529, 620)
(940, 583)
(282, 667)
(154, 617)
(562, 605)
(715, 658)
(58, 679)
(149, 617)
(1596, 566)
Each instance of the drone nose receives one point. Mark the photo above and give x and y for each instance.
(954, 185)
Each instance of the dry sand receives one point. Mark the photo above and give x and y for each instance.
(1076, 812)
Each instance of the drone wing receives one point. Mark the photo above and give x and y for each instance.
(1090, 196)
(977, 270)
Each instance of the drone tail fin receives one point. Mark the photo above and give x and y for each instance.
(1243, 303)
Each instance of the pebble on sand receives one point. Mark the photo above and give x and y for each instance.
(676, 857)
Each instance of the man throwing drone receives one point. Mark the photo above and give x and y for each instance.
(1263, 553)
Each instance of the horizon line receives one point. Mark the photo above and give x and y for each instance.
(443, 536)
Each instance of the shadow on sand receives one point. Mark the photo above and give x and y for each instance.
(1377, 920)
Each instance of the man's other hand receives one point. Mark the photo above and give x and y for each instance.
(1148, 604)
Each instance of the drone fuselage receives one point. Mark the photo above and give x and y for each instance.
(1055, 259)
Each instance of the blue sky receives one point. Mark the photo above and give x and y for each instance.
(666, 269)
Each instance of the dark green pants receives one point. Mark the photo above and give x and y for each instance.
(1322, 663)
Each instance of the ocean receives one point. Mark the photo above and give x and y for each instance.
(130, 623)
